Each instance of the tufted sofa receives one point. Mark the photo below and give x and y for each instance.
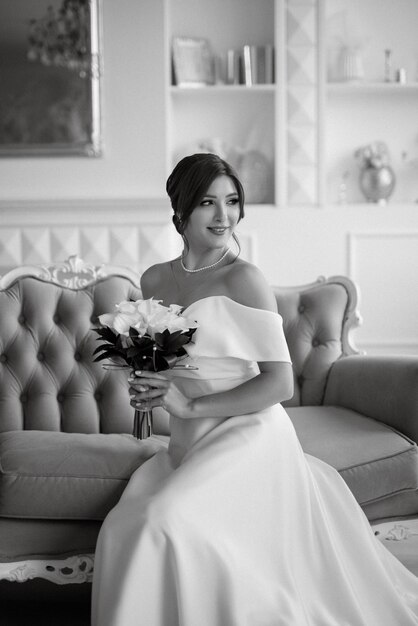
(66, 452)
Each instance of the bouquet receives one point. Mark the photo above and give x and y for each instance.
(144, 335)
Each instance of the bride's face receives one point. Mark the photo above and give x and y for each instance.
(213, 222)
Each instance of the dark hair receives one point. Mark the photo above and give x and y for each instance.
(190, 180)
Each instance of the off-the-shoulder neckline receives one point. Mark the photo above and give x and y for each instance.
(186, 308)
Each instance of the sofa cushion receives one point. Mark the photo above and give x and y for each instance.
(54, 475)
(379, 464)
(22, 539)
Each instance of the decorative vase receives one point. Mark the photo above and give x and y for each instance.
(377, 183)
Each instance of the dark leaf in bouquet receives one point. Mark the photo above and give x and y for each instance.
(137, 353)
(141, 345)
(106, 333)
(110, 353)
(110, 350)
(165, 361)
(101, 357)
(179, 342)
(171, 342)
(101, 348)
(120, 342)
(143, 342)
(163, 339)
(107, 347)
(190, 333)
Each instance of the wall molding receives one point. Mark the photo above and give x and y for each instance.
(85, 209)
(352, 240)
(391, 344)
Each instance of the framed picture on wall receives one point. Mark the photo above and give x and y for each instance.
(193, 64)
(49, 77)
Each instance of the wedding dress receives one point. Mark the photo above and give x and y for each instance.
(247, 530)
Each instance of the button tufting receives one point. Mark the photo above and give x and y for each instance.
(301, 308)
(3, 358)
(41, 356)
(98, 395)
(94, 319)
(60, 397)
(77, 356)
(56, 318)
(21, 319)
(23, 397)
(315, 343)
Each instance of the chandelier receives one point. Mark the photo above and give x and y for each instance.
(62, 37)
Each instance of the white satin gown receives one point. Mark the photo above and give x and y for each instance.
(247, 530)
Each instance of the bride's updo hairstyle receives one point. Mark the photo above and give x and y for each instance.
(189, 182)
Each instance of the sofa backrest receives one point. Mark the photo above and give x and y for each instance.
(48, 380)
(317, 321)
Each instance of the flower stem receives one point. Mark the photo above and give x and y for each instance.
(142, 424)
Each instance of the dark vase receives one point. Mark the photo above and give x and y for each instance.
(377, 183)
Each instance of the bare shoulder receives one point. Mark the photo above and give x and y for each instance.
(247, 285)
(153, 278)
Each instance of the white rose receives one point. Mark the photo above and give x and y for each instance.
(146, 316)
(175, 308)
(148, 307)
(169, 320)
(125, 317)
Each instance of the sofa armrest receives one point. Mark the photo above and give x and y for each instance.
(382, 387)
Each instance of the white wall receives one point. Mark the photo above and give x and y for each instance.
(376, 246)
(50, 207)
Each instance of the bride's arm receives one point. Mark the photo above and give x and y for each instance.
(272, 385)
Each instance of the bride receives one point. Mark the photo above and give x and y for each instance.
(233, 525)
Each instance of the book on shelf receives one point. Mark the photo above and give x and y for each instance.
(257, 63)
(233, 67)
(269, 76)
(249, 66)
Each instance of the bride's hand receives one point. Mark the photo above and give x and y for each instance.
(150, 389)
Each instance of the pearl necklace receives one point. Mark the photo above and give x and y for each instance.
(206, 267)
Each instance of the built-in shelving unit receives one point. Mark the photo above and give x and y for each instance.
(380, 88)
(238, 120)
(270, 127)
(217, 89)
(377, 41)
(305, 125)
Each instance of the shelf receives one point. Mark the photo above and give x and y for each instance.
(219, 89)
(371, 87)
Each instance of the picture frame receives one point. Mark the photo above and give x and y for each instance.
(49, 106)
(193, 63)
